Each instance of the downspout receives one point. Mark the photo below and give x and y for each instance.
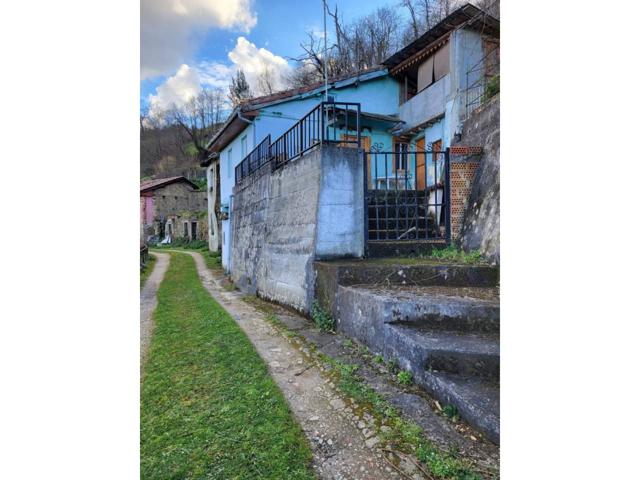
(250, 122)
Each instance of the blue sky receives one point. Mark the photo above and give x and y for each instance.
(187, 43)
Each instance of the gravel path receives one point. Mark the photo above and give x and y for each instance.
(340, 448)
(148, 302)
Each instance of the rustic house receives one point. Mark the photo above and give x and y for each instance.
(172, 208)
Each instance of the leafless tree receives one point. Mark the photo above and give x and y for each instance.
(199, 118)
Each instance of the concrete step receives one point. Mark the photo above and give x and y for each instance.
(450, 352)
(477, 400)
(456, 369)
(461, 309)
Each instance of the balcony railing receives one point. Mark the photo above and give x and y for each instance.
(329, 122)
(483, 80)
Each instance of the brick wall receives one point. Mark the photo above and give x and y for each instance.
(462, 175)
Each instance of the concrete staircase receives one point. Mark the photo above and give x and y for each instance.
(447, 334)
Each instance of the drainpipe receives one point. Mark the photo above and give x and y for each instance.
(250, 122)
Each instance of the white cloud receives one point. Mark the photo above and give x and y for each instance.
(177, 90)
(189, 81)
(253, 61)
(168, 28)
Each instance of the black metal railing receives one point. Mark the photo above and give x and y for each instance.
(255, 160)
(328, 122)
(407, 196)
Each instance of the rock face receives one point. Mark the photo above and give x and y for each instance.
(481, 223)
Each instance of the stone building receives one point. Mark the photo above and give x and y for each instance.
(172, 208)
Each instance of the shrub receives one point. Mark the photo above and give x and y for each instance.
(405, 378)
(321, 318)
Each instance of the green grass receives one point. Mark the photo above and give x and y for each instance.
(452, 254)
(209, 408)
(146, 271)
(403, 434)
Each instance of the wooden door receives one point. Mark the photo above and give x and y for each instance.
(420, 165)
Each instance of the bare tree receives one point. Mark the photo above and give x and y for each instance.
(199, 118)
(267, 80)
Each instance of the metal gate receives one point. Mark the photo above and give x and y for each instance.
(407, 196)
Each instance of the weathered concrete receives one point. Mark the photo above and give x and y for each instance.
(282, 221)
(148, 302)
(481, 223)
(331, 274)
(440, 322)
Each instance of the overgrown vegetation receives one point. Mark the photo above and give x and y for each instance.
(492, 88)
(453, 254)
(146, 270)
(404, 378)
(402, 434)
(321, 318)
(209, 408)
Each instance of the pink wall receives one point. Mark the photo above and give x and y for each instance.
(146, 210)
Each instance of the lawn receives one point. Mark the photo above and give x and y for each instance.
(209, 408)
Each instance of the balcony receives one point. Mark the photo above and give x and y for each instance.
(426, 104)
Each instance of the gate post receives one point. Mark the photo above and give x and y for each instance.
(447, 196)
(365, 184)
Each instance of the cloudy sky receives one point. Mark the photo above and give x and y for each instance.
(187, 44)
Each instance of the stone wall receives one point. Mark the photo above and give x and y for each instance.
(481, 219)
(284, 220)
(174, 205)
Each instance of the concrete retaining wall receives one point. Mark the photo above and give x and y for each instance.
(312, 208)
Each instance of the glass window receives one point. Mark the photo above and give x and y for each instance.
(229, 163)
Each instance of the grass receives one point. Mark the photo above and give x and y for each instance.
(402, 434)
(209, 408)
(404, 378)
(452, 254)
(146, 271)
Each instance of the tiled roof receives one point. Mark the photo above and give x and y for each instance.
(161, 182)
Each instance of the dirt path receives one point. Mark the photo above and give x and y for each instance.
(340, 449)
(148, 302)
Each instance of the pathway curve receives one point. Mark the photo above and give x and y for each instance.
(340, 449)
(148, 302)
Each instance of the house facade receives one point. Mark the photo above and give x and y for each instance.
(273, 115)
(172, 208)
(415, 103)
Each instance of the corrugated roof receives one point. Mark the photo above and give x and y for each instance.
(162, 182)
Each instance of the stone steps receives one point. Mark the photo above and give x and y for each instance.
(451, 352)
(446, 336)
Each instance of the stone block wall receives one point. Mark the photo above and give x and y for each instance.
(282, 221)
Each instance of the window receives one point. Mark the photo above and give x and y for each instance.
(400, 161)
(434, 67)
(229, 163)
(243, 147)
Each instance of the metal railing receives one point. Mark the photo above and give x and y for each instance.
(407, 196)
(328, 122)
(255, 160)
(482, 79)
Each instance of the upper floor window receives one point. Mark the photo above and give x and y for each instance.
(229, 163)
(243, 147)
